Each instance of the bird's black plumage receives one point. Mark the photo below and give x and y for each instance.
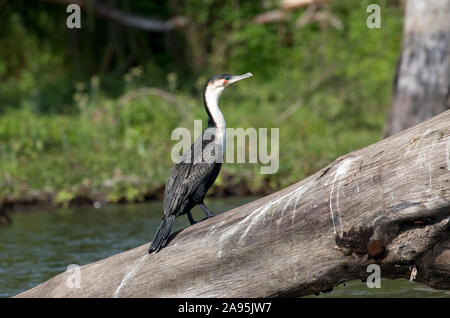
(191, 178)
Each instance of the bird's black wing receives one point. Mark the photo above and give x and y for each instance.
(185, 177)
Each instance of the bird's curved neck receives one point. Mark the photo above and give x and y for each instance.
(211, 102)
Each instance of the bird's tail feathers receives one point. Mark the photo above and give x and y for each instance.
(162, 235)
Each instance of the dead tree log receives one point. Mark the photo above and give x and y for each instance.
(422, 80)
(297, 4)
(127, 19)
(388, 204)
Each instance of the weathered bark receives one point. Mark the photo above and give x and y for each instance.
(388, 203)
(127, 19)
(422, 81)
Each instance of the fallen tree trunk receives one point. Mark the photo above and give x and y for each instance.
(388, 204)
(127, 19)
(297, 4)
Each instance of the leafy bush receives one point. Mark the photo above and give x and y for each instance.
(73, 133)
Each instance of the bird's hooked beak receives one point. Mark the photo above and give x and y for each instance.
(237, 78)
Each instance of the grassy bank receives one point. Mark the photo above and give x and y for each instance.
(328, 91)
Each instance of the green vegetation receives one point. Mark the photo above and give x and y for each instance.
(70, 128)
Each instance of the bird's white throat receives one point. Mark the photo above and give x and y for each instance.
(212, 95)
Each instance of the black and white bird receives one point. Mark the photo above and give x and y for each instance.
(199, 167)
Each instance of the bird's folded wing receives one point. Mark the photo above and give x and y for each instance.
(184, 180)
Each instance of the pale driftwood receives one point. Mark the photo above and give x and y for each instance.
(422, 81)
(313, 13)
(271, 17)
(388, 203)
(297, 4)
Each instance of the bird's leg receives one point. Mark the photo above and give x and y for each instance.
(205, 209)
(191, 219)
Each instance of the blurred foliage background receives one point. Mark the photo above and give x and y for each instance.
(78, 118)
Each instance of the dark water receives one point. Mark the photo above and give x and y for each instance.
(41, 244)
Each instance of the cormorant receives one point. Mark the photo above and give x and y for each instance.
(191, 178)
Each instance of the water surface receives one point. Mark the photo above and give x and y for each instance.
(40, 244)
